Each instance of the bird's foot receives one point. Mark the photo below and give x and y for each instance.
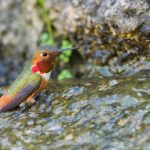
(29, 103)
(25, 106)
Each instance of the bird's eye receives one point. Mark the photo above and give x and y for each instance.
(44, 54)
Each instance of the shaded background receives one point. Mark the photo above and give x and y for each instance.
(112, 36)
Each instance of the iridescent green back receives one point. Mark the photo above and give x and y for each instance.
(24, 79)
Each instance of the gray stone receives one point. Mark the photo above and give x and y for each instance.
(20, 25)
(116, 24)
(20, 28)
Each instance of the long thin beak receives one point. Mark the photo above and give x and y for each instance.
(57, 50)
(67, 49)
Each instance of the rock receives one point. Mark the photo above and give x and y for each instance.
(20, 25)
(20, 28)
(112, 25)
(99, 113)
(109, 33)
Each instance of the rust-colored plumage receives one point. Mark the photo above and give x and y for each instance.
(31, 81)
(46, 64)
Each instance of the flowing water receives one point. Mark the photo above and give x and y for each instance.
(101, 113)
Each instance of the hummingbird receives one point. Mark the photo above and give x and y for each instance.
(32, 79)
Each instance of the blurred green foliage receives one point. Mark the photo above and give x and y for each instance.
(64, 74)
(65, 56)
(39, 2)
(48, 38)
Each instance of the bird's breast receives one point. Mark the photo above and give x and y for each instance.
(45, 76)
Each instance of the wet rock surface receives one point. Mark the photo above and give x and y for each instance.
(106, 113)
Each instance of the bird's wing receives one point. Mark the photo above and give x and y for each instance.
(24, 86)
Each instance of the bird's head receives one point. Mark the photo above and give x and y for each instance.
(44, 59)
